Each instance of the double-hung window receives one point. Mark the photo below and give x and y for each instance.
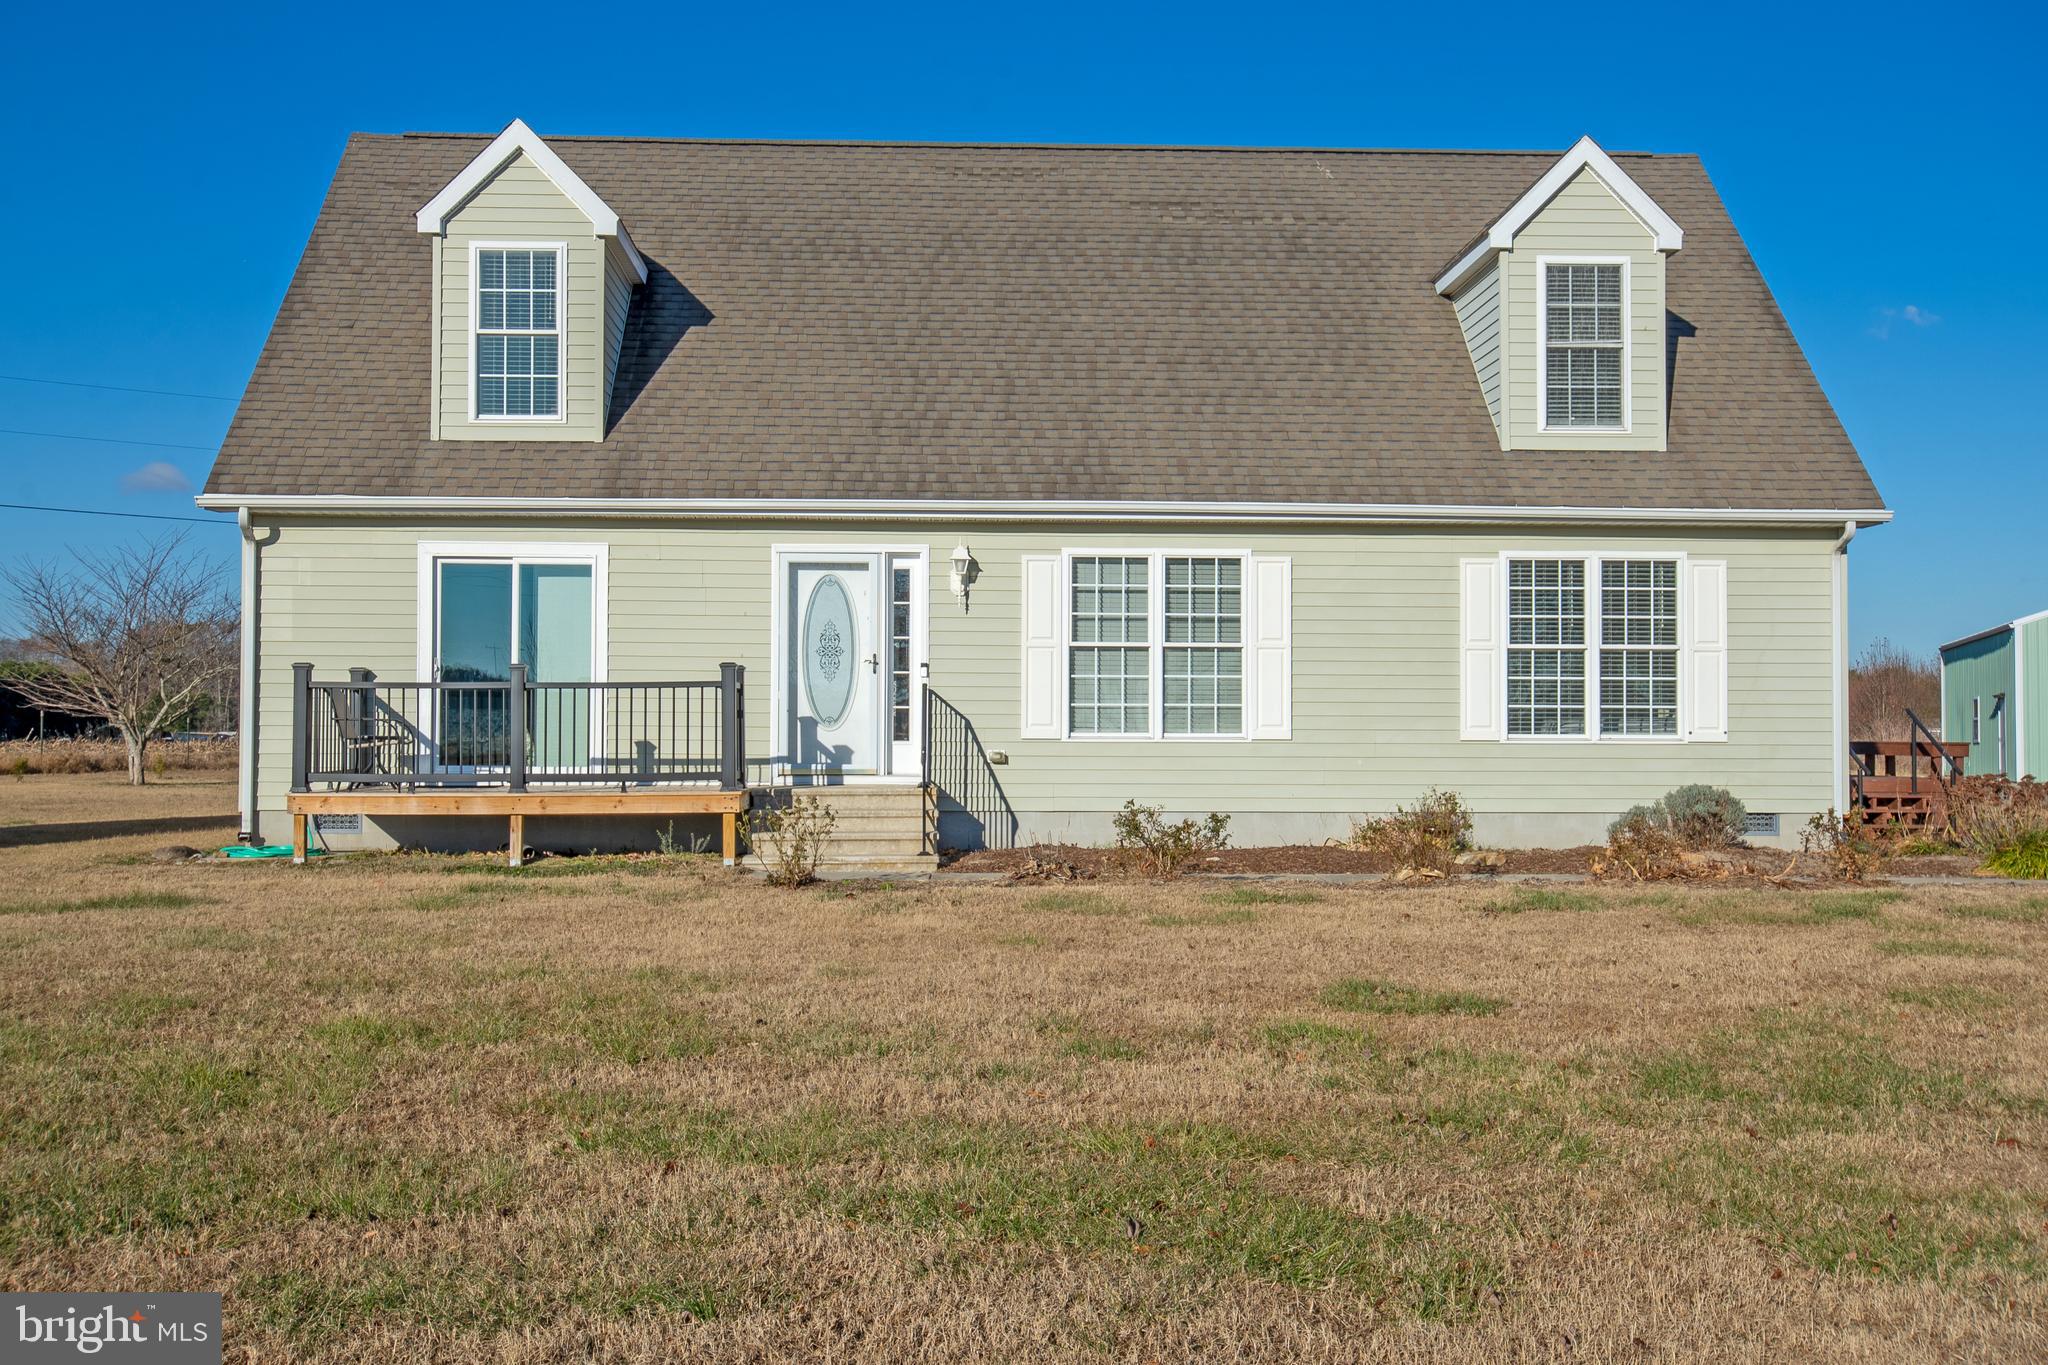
(1584, 353)
(1590, 634)
(518, 333)
(1546, 647)
(1639, 647)
(1110, 659)
(1156, 645)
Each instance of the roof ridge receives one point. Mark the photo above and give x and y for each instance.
(936, 145)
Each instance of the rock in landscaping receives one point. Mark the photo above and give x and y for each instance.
(1483, 859)
(1409, 875)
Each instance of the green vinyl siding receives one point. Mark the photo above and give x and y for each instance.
(1478, 310)
(520, 204)
(1585, 219)
(619, 279)
(1978, 673)
(1375, 658)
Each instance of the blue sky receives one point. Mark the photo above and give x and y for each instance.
(163, 170)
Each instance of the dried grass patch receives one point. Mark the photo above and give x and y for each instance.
(411, 1109)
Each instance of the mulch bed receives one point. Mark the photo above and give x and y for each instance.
(1311, 858)
(1102, 862)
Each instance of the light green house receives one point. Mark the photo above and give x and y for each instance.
(991, 487)
(1994, 694)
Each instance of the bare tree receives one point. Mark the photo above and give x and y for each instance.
(1884, 681)
(137, 635)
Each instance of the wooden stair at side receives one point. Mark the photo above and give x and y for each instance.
(1902, 781)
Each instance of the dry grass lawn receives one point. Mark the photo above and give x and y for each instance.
(418, 1108)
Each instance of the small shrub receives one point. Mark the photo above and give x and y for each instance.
(1987, 814)
(1843, 843)
(1698, 817)
(20, 769)
(1142, 832)
(2026, 856)
(1426, 837)
(1641, 847)
(671, 847)
(791, 839)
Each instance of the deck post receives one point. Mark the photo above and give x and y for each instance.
(729, 836)
(515, 844)
(732, 733)
(299, 837)
(302, 711)
(516, 720)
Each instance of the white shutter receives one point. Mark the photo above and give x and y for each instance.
(1269, 665)
(1481, 667)
(1707, 635)
(1044, 621)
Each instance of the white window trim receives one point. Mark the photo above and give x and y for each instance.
(1543, 264)
(561, 332)
(1595, 642)
(1155, 643)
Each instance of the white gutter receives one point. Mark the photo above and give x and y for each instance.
(1841, 675)
(245, 794)
(1034, 509)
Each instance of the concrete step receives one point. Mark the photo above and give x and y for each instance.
(859, 796)
(863, 865)
(863, 817)
(886, 845)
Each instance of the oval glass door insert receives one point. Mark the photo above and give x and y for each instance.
(830, 650)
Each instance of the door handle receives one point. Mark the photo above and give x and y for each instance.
(874, 663)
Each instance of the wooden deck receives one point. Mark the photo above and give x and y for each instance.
(1905, 781)
(515, 807)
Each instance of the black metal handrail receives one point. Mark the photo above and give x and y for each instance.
(369, 733)
(959, 774)
(1942, 758)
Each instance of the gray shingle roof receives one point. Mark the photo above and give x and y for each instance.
(912, 321)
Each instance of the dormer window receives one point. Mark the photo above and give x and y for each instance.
(1585, 360)
(518, 333)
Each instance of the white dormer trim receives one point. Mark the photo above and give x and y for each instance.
(518, 138)
(1584, 155)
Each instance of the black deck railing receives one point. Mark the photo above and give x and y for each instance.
(962, 780)
(369, 733)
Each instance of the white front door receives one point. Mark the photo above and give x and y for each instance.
(833, 678)
(850, 637)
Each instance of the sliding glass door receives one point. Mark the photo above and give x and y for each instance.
(490, 613)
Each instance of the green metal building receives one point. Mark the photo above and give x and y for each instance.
(1994, 693)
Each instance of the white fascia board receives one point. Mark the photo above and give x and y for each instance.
(518, 138)
(1468, 265)
(1033, 509)
(1584, 155)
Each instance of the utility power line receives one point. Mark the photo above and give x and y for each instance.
(98, 512)
(116, 388)
(105, 440)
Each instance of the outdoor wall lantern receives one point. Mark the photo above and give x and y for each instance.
(963, 570)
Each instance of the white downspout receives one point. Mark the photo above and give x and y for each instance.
(1841, 653)
(246, 760)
